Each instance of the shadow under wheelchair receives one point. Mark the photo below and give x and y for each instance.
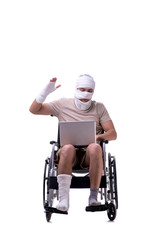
(80, 179)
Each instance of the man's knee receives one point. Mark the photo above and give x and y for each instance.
(94, 149)
(67, 150)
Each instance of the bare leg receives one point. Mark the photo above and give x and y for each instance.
(95, 162)
(67, 155)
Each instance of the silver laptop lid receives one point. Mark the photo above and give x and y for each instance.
(77, 133)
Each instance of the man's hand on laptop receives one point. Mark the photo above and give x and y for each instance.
(98, 138)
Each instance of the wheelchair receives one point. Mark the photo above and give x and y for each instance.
(80, 179)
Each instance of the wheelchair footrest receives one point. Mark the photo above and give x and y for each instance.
(96, 208)
(55, 210)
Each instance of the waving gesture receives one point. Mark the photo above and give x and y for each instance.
(49, 88)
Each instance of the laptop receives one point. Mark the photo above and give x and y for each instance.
(77, 133)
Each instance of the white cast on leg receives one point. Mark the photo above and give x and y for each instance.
(64, 182)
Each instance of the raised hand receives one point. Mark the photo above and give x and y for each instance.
(54, 80)
(49, 88)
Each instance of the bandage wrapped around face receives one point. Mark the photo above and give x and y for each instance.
(83, 95)
(84, 81)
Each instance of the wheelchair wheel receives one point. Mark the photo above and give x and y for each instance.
(113, 179)
(111, 211)
(45, 183)
(48, 216)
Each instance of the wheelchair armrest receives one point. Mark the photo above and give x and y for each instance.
(54, 142)
(105, 141)
(51, 142)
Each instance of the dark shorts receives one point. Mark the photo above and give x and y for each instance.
(78, 160)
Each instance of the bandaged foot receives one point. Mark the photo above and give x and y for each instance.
(64, 182)
(93, 197)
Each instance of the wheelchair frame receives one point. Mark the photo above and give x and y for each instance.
(107, 190)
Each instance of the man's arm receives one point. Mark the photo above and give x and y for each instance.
(110, 132)
(38, 107)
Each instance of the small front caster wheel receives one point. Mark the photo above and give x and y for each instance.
(48, 216)
(111, 211)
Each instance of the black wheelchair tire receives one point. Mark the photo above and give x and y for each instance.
(115, 182)
(44, 183)
(111, 212)
(113, 178)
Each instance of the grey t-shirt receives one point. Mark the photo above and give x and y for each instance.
(65, 110)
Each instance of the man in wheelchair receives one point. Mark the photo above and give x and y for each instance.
(79, 108)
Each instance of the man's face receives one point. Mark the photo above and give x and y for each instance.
(89, 90)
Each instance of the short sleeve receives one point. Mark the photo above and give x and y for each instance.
(56, 107)
(103, 113)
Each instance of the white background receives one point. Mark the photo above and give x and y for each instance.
(117, 42)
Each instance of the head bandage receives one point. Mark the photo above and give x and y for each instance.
(84, 81)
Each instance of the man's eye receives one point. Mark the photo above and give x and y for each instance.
(84, 90)
(90, 91)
